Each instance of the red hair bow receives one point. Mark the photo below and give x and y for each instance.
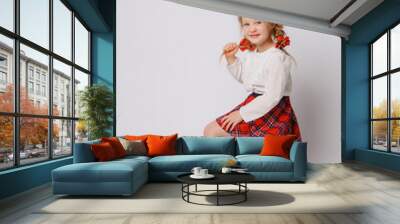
(282, 41)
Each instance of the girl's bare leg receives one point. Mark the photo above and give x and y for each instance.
(214, 130)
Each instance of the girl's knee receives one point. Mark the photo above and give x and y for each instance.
(214, 130)
(208, 130)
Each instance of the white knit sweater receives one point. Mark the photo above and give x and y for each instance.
(267, 73)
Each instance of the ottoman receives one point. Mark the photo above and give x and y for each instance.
(118, 177)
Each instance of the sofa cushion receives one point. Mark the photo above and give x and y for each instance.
(249, 145)
(257, 163)
(111, 171)
(159, 145)
(103, 152)
(116, 145)
(277, 145)
(132, 158)
(185, 163)
(134, 147)
(197, 145)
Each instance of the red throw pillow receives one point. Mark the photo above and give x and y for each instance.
(161, 145)
(116, 145)
(103, 151)
(277, 145)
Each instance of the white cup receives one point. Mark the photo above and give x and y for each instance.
(196, 171)
(226, 170)
(203, 172)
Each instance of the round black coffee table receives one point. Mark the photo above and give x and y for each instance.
(238, 179)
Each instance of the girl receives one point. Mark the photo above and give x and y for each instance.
(264, 70)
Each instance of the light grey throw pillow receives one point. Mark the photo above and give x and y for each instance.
(136, 147)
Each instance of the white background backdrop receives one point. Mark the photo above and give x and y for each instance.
(170, 80)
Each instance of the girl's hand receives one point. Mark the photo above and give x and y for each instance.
(231, 120)
(230, 50)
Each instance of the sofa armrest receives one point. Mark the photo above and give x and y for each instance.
(83, 152)
(298, 155)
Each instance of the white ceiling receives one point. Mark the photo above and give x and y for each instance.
(326, 16)
(321, 9)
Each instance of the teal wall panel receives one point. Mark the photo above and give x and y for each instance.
(24, 178)
(357, 99)
(103, 64)
(102, 58)
(356, 129)
(380, 159)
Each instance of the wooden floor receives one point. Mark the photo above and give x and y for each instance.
(353, 182)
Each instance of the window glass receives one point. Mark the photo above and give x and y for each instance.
(395, 47)
(379, 135)
(379, 100)
(62, 89)
(81, 82)
(81, 45)
(81, 131)
(6, 74)
(34, 20)
(33, 140)
(395, 136)
(62, 138)
(30, 58)
(62, 29)
(379, 55)
(395, 95)
(7, 14)
(6, 142)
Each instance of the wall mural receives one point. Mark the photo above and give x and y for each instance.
(199, 72)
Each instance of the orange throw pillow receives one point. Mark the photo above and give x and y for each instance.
(103, 151)
(136, 137)
(277, 145)
(161, 145)
(116, 145)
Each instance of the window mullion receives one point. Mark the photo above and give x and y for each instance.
(389, 101)
(371, 142)
(50, 87)
(73, 82)
(16, 84)
(89, 57)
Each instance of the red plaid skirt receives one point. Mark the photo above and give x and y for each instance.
(281, 120)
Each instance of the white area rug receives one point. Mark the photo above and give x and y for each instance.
(166, 198)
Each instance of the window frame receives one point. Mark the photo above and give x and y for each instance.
(388, 74)
(15, 72)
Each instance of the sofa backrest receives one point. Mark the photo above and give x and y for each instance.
(192, 145)
(249, 145)
(83, 152)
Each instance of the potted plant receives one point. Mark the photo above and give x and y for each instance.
(96, 102)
